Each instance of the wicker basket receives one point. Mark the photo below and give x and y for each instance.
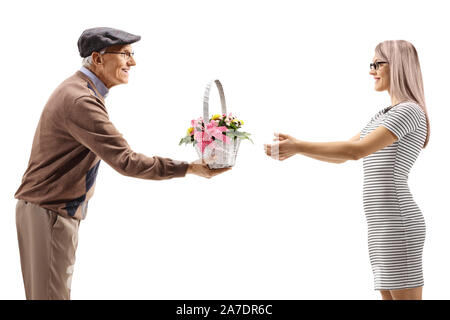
(220, 154)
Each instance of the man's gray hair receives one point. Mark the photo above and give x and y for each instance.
(87, 62)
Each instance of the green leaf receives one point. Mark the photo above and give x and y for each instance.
(241, 135)
(186, 140)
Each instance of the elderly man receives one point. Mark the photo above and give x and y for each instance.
(73, 135)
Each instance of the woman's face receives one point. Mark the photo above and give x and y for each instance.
(380, 72)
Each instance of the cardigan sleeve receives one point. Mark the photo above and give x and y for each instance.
(88, 122)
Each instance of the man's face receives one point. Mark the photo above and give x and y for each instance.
(116, 66)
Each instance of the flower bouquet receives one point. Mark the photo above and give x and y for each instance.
(217, 139)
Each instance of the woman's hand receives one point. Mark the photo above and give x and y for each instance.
(286, 148)
(200, 168)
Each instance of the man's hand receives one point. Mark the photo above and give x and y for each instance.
(200, 168)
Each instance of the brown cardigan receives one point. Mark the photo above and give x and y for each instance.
(73, 135)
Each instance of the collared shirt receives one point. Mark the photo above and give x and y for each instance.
(102, 89)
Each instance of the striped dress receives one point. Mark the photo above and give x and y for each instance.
(396, 227)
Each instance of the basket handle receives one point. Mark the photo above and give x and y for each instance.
(206, 100)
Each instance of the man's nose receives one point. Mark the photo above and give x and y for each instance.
(132, 62)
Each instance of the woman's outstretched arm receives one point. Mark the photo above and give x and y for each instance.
(336, 152)
(331, 160)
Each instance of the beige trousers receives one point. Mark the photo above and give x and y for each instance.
(47, 244)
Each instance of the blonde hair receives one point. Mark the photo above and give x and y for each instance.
(405, 75)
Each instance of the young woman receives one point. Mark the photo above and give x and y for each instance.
(389, 144)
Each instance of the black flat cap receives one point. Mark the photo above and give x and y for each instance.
(95, 39)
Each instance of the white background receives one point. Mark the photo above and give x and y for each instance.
(267, 229)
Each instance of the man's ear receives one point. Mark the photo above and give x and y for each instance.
(96, 58)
